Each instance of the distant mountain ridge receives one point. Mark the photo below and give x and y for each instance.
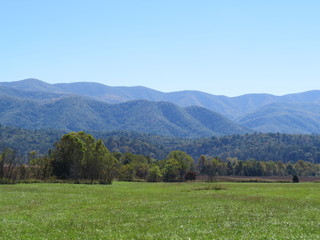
(260, 112)
(285, 118)
(232, 107)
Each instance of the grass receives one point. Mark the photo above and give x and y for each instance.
(160, 211)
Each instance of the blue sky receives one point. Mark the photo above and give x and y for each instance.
(221, 47)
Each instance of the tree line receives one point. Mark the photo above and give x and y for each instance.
(79, 157)
(260, 146)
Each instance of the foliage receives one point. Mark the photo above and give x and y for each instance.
(79, 156)
(183, 162)
(293, 113)
(284, 117)
(190, 176)
(262, 147)
(41, 167)
(133, 167)
(76, 113)
(8, 166)
(295, 179)
(68, 157)
(155, 174)
(170, 169)
(24, 141)
(126, 173)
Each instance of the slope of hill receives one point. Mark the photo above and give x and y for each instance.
(31, 84)
(284, 118)
(262, 147)
(79, 113)
(231, 107)
(31, 95)
(110, 94)
(261, 112)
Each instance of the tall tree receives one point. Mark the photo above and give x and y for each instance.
(105, 163)
(80, 156)
(68, 156)
(184, 161)
(8, 162)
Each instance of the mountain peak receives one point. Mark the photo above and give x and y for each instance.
(31, 80)
(31, 84)
(248, 110)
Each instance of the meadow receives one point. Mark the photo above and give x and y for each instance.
(128, 210)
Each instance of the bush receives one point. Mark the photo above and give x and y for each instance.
(295, 179)
(155, 174)
(190, 176)
(6, 181)
(126, 173)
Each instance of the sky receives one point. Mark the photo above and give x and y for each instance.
(223, 47)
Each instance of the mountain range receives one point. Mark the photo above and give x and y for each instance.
(33, 104)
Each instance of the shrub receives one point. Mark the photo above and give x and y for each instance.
(154, 174)
(295, 179)
(190, 176)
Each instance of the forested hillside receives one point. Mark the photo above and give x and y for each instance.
(259, 146)
(76, 113)
(284, 118)
(24, 141)
(293, 113)
(264, 147)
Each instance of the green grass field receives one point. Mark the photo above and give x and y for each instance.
(160, 211)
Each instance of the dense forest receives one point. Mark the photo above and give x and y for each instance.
(258, 146)
(93, 106)
(80, 157)
(76, 113)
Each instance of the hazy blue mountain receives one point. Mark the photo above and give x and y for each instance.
(284, 118)
(32, 95)
(111, 94)
(231, 107)
(79, 113)
(213, 121)
(304, 97)
(261, 112)
(31, 84)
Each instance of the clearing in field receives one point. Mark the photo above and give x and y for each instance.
(160, 211)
